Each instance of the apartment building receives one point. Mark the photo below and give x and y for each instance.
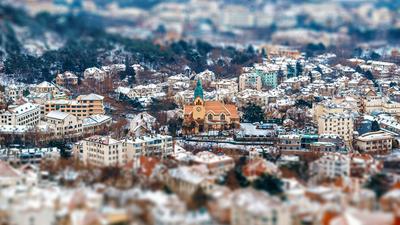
(268, 210)
(83, 106)
(332, 165)
(27, 114)
(44, 87)
(381, 104)
(153, 145)
(341, 124)
(289, 142)
(64, 124)
(103, 151)
(151, 90)
(378, 142)
(217, 164)
(250, 81)
(66, 78)
(13, 92)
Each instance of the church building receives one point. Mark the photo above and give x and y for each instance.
(203, 116)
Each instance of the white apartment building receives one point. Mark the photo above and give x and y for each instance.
(13, 92)
(64, 124)
(250, 206)
(217, 164)
(153, 145)
(106, 151)
(250, 81)
(374, 142)
(151, 90)
(332, 165)
(103, 151)
(26, 114)
(378, 103)
(341, 124)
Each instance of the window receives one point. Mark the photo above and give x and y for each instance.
(210, 117)
(223, 117)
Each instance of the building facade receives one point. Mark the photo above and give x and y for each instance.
(27, 114)
(378, 142)
(340, 124)
(250, 81)
(83, 106)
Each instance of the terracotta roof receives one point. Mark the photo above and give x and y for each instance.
(188, 109)
(215, 107)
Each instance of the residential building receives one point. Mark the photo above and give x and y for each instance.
(289, 143)
(209, 115)
(216, 164)
(186, 180)
(250, 206)
(13, 92)
(379, 142)
(83, 106)
(340, 123)
(332, 165)
(250, 81)
(66, 79)
(95, 123)
(94, 73)
(64, 124)
(27, 114)
(44, 87)
(103, 151)
(150, 145)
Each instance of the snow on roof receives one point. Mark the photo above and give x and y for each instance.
(255, 202)
(191, 174)
(95, 119)
(57, 115)
(91, 97)
(23, 108)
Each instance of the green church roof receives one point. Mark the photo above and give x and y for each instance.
(198, 92)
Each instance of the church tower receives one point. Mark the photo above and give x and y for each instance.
(199, 110)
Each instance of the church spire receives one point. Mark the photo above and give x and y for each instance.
(198, 92)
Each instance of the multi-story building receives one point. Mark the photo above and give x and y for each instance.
(64, 124)
(27, 114)
(250, 81)
(152, 145)
(151, 90)
(381, 104)
(332, 165)
(341, 124)
(268, 210)
(44, 87)
(103, 151)
(13, 92)
(66, 78)
(83, 106)
(379, 142)
(217, 164)
(289, 142)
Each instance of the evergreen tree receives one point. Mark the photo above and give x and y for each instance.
(269, 183)
(253, 113)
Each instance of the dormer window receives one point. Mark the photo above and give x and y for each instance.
(223, 117)
(210, 117)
